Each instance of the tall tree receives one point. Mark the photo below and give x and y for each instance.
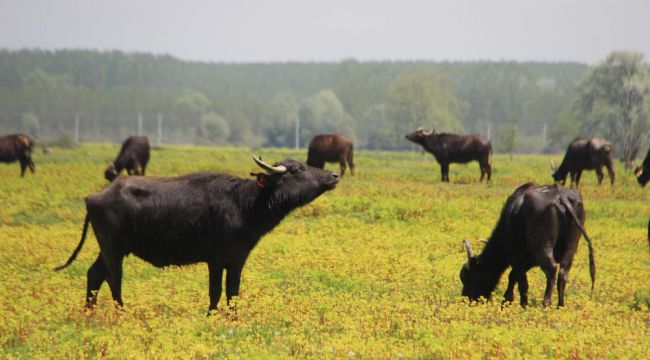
(422, 98)
(615, 95)
(194, 105)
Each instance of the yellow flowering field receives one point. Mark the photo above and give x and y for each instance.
(369, 270)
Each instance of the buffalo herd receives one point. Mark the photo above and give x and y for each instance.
(217, 218)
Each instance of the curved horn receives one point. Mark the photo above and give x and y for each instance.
(638, 171)
(271, 169)
(553, 167)
(468, 247)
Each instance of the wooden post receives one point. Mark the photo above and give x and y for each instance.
(544, 134)
(76, 128)
(297, 132)
(159, 133)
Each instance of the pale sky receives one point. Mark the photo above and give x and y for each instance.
(332, 30)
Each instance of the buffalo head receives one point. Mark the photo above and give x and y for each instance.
(419, 135)
(478, 280)
(293, 180)
(642, 175)
(110, 173)
(558, 177)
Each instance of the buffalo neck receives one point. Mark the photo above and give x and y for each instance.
(264, 209)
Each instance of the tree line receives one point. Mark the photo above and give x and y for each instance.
(526, 107)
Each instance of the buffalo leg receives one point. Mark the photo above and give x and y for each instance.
(233, 278)
(114, 275)
(578, 175)
(144, 167)
(523, 289)
(342, 166)
(96, 276)
(23, 167)
(444, 169)
(30, 163)
(482, 172)
(351, 165)
(549, 266)
(216, 276)
(562, 277)
(611, 173)
(509, 296)
(599, 174)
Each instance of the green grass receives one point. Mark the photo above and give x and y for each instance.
(369, 270)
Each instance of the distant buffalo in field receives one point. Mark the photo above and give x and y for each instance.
(538, 226)
(331, 148)
(17, 147)
(133, 157)
(586, 153)
(642, 176)
(214, 218)
(452, 148)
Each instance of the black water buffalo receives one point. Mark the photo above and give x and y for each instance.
(586, 153)
(214, 218)
(642, 176)
(133, 157)
(17, 147)
(452, 148)
(538, 226)
(331, 148)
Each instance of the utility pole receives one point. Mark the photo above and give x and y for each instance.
(297, 132)
(159, 140)
(76, 128)
(140, 124)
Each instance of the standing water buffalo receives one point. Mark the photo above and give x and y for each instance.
(133, 157)
(17, 147)
(586, 153)
(538, 226)
(642, 176)
(331, 148)
(452, 148)
(214, 218)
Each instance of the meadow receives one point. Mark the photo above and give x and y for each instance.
(368, 270)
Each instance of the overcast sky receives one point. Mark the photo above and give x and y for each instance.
(304, 30)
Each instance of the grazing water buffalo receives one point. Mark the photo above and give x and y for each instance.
(538, 226)
(586, 153)
(17, 147)
(642, 176)
(331, 148)
(213, 218)
(133, 157)
(452, 148)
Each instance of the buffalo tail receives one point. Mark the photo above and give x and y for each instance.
(76, 251)
(592, 263)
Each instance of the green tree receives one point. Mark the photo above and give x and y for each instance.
(40, 79)
(421, 98)
(193, 105)
(615, 96)
(506, 138)
(217, 128)
(324, 113)
(280, 119)
(31, 124)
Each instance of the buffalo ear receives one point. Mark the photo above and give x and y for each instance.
(638, 171)
(265, 181)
